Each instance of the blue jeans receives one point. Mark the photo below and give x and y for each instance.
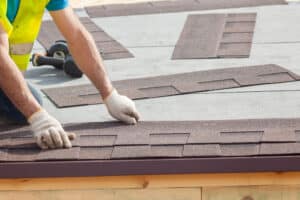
(10, 111)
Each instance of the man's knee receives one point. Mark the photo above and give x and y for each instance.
(11, 112)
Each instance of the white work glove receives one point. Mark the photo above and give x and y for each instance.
(48, 131)
(122, 108)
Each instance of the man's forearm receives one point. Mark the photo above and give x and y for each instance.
(13, 84)
(86, 55)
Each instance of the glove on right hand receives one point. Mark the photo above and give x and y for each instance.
(48, 131)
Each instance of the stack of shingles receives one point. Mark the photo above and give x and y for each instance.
(214, 139)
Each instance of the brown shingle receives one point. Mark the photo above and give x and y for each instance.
(131, 152)
(161, 147)
(168, 138)
(21, 155)
(173, 6)
(59, 154)
(216, 35)
(110, 48)
(239, 149)
(165, 151)
(279, 148)
(3, 155)
(205, 150)
(175, 84)
(95, 153)
(97, 140)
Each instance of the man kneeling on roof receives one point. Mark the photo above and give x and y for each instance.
(20, 22)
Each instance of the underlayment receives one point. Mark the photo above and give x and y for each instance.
(217, 141)
(216, 36)
(107, 46)
(177, 84)
(172, 6)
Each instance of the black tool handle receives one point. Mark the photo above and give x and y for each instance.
(38, 60)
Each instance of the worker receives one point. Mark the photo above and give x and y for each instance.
(20, 22)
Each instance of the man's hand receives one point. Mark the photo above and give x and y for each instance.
(122, 108)
(48, 131)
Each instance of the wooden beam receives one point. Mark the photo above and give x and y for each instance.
(157, 181)
(252, 193)
(118, 194)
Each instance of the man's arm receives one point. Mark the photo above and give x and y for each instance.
(47, 130)
(83, 49)
(12, 81)
(86, 55)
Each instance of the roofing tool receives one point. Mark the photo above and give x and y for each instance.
(59, 57)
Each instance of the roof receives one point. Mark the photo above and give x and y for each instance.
(111, 148)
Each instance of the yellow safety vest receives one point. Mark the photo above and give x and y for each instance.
(24, 30)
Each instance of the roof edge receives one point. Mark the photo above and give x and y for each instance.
(149, 167)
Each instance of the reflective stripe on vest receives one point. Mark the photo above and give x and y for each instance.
(20, 49)
(24, 30)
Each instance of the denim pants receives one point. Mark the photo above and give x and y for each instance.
(10, 111)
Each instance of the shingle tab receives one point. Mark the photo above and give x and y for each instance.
(22, 155)
(95, 153)
(97, 140)
(278, 135)
(175, 84)
(20, 142)
(168, 138)
(172, 151)
(131, 152)
(59, 154)
(3, 155)
(239, 149)
(205, 150)
(280, 148)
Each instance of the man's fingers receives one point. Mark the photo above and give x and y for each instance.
(56, 138)
(132, 112)
(65, 139)
(127, 119)
(135, 114)
(41, 143)
(48, 140)
(72, 136)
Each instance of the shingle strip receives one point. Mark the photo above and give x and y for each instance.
(35, 154)
(177, 84)
(172, 6)
(216, 36)
(108, 47)
(170, 139)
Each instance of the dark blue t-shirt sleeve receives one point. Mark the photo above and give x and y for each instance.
(57, 5)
